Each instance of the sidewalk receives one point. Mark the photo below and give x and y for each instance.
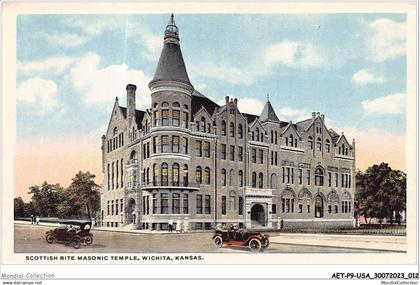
(371, 242)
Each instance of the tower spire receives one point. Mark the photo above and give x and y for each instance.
(171, 32)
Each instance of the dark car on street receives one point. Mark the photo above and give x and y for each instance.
(233, 236)
(72, 232)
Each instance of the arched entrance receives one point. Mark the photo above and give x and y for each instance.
(258, 216)
(131, 207)
(319, 206)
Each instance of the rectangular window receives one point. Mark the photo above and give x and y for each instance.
(175, 118)
(198, 148)
(241, 206)
(254, 155)
(273, 209)
(206, 149)
(223, 205)
(116, 207)
(300, 208)
(148, 149)
(272, 158)
(165, 144)
(199, 204)
(156, 145)
(121, 205)
(261, 152)
(154, 204)
(309, 176)
(283, 202)
(329, 179)
(275, 158)
(184, 146)
(300, 176)
(293, 175)
(164, 203)
(165, 117)
(112, 207)
(288, 174)
(349, 186)
(185, 204)
(109, 184)
(175, 203)
(336, 179)
(342, 180)
(232, 152)
(184, 119)
(207, 205)
(240, 153)
(157, 118)
(223, 151)
(107, 210)
(283, 175)
(175, 144)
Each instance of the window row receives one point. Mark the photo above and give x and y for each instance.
(234, 204)
(166, 203)
(176, 119)
(274, 160)
(288, 177)
(232, 130)
(254, 156)
(116, 142)
(112, 207)
(232, 175)
(254, 180)
(115, 174)
(159, 175)
(202, 149)
(170, 144)
(288, 206)
(257, 135)
(232, 148)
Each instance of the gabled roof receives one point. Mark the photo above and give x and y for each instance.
(139, 115)
(334, 135)
(305, 124)
(198, 100)
(250, 117)
(268, 114)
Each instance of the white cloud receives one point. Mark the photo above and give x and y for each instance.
(390, 104)
(200, 86)
(66, 40)
(224, 72)
(102, 85)
(57, 65)
(294, 54)
(295, 115)
(250, 105)
(387, 39)
(38, 93)
(92, 25)
(365, 76)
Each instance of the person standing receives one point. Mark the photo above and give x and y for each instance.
(170, 225)
(32, 219)
(186, 225)
(37, 220)
(93, 222)
(178, 225)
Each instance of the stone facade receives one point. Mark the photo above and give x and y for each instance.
(189, 159)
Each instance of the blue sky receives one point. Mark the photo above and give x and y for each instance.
(351, 67)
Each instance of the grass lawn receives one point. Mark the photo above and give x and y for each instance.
(362, 230)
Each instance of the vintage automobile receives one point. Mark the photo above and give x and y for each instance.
(72, 232)
(233, 236)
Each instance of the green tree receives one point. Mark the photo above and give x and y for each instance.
(85, 193)
(380, 191)
(19, 207)
(46, 199)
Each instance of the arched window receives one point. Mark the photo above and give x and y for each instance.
(207, 175)
(164, 174)
(185, 175)
(275, 136)
(291, 140)
(176, 105)
(198, 175)
(115, 131)
(132, 156)
(257, 131)
(272, 136)
(175, 174)
(254, 180)
(232, 129)
(165, 114)
(240, 131)
(155, 174)
(260, 180)
(273, 182)
(241, 178)
(223, 177)
(327, 145)
(310, 143)
(231, 177)
(232, 196)
(318, 144)
(223, 128)
(319, 177)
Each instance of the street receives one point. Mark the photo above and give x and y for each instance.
(31, 239)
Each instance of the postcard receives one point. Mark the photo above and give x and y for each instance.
(210, 133)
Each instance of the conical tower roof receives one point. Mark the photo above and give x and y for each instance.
(268, 114)
(171, 66)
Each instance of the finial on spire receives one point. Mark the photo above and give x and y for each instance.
(171, 31)
(268, 97)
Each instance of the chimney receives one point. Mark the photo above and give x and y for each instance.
(235, 101)
(323, 118)
(227, 100)
(317, 114)
(131, 101)
(313, 115)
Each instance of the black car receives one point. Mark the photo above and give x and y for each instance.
(233, 236)
(74, 232)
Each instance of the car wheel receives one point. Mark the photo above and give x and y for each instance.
(218, 241)
(266, 243)
(49, 238)
(75, 242)
(88, 240)
(255, 245)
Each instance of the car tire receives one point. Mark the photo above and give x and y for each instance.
(49, 238)
(254, 245)
(75, 242)
(218, 241)
(266, 243)
(88, 240)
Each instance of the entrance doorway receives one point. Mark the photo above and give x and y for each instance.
(131, 208)
(319, 207)
(258, 216)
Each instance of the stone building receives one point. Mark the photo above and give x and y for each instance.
(189, 159)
